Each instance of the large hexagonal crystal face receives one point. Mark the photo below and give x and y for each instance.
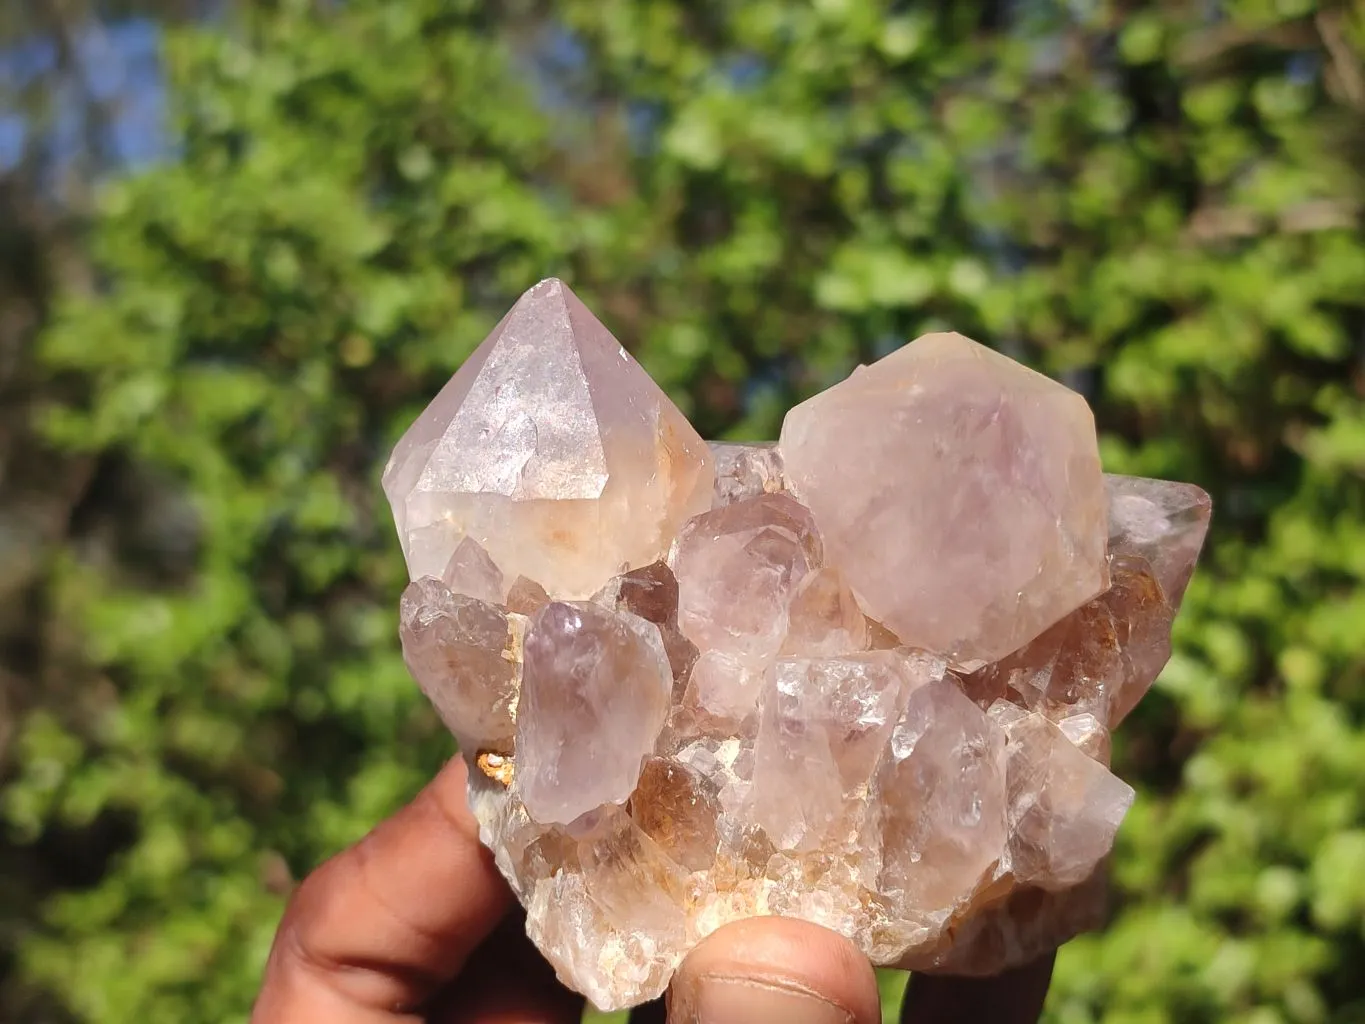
(959, 492)
(553, 450)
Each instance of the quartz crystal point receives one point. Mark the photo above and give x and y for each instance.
(1064, 807)
(1099, 660)
(866, 676)
(553, 450)
(959, 492)
(823, 617)
(941, 795)
(677, 808)
(737, 568)
(471, 572)
(823, 725)
(595, 695)
(746, 470)
(652, 594)
(1162, 522)
(457, 648)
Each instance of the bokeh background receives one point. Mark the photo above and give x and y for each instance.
(241, 244)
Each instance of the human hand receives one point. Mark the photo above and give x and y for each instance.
(414, 924)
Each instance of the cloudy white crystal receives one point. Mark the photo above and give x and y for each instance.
(959, 492)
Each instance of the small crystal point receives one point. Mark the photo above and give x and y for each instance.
(455, 647)
(724, 686)
(1088, 735)
(823, 617)
(745, 470)
(1162, 521)
(526, 596)
(595, 694)
(651, 592)
(677, 808)
(1064, 807)
(553, 449)
(959, 492)
(737, 567)
(941, 793)
(1142, 618)
(471, 572)
(1099, 660)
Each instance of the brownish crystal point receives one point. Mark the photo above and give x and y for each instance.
(1099, 660)
(455, 648)
(1162, 522)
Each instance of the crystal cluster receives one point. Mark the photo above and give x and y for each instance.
(864, 676)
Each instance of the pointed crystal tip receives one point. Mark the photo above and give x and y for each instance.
(1162, 521)
(553, 450)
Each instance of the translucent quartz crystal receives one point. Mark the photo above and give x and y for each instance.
(823, 616)
(526, 597)
(745, 470)
(1100, 659)
(723, 686)
(552, 449)
(652, 593)
(1162, 522)
(457, 648)
(473, 573)
(941, 796)
(867, 679)
(959, 491)
(677, 808)
(1089, 736)
(823, 725)
(614, 922)
(1064, 807)
(595, 694)
(737, 568)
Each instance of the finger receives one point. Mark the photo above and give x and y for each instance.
(652, 1012)
(377, 929)
(1014, 997)
(774, 969)
(507, 981)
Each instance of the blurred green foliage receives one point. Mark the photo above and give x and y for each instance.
(1159, 202)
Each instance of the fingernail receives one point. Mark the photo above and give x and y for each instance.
(714, 999)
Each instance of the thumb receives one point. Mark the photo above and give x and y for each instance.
(774, 969)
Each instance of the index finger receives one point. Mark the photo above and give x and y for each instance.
(375, 931)
(1014, 997)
